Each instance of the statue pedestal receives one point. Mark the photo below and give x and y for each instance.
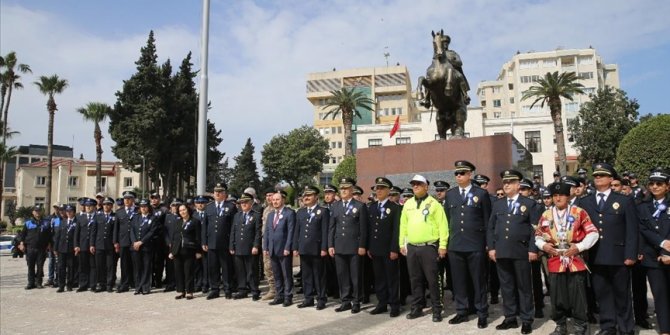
(435, 160)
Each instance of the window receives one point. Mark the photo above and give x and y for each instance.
(483, 103)
(332, 130)
(549, 63)
(103, 182)
(571, 107)
(40, 181)
(585, 60)
(586, 75)
(589, 90)
(386, 111)
(511, 100)
(392, 111)
(72, 201)
(528, 63)
(73, 181)
(333, 145)
(403, 140)
(39, 201)
(527, 109)
(533, 141)
(333, 160)
(339, 130)
(496, 115)
(495, 89)
(399, 110)
(510, 86)
(530, 79)
(537, 171)
(375, 142)
(496, 103)
(339, 144)
(127, 182)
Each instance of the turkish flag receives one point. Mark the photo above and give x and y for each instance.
(396, 126)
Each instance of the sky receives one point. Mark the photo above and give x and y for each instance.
(260, 52)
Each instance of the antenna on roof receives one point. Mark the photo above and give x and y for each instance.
(386, 55)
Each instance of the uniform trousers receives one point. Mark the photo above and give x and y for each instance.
(494, 281)
(659, 281)
(612, 286)
(202, 273)
(313, 278)
(183, 270)
(35, 258)
(332, 285)
(639, 284)
(282, 268)
(142, 260)
(169, 272)
(405, 287)
(247, 274)
(469, 273)
(53, 268)
(387, 283)
(66, 270)
(87, 269)
(538, 293)
(348, 278)
(104, 260)
(568, 296)
(516, 288)
(127, 276)
(160, 252)
(218, 261)
(422, 268)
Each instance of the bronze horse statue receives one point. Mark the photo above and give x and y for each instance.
(445, 87)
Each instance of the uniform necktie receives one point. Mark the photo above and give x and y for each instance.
(509, 205)
(127, 210)
(346, 204)
(275, 221)
(218, 208)
(89, 217)
(246, 217)
(601, 201)
(463, 193)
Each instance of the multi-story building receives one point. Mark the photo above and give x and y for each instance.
(389, 87)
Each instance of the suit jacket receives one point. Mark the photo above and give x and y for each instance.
(383, 228)
(142, 229)
(64, 236)
(246, 234)
(122, 228)
(348, 228)
(653, 231)
(279, 238)
(618, 225)
(159, 215)
(170, 227)
(83, 237)
(186, 235)
(311, 231)
(512, 235)
(103, 231)
(468, 219)
(216, 229)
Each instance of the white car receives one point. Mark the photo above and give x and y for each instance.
(6, 244)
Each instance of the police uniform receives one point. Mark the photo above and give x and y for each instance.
(101, 239)
(468, 210)
(168, 233)
(159, 250)
(201, 271)
(617, 221)
(35, 237)
(246, 235)
(278, 240)
(216, 236)
(332, 286)
(511, 239)
(64, 246)
(82, 239)
(311, 243)
(383, 234)
(142, 228)
(122, 242)
(184, 245)
(443, 267)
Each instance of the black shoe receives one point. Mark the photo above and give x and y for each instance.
(69, 289)
(240, 295)
(229, 295)
(458, 319)
(60, 290)
(276, 302)
(189, 297)
(494, 300)
(306, 303)
(644, 324)
(343, 307)
(100, 289)
(137, 293)
(482, 323)
(205, 290)
(437, 316)
(379, 310)
(395, 311)
(30, 287)
(181, 296)
(508, 324)
(591, 318)
(287, 302)
(82, 289)
(256, 297)
(320, 305)
(355, 308)
(415, 313)
(539, 314)
(110, 290)
(145, 292)
(212, 295)
(526, 328)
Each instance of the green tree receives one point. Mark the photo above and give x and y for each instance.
(245, 172)
(645, 147)
(50, 86)
(601, 125)
(346, 168)
(96, 112)
(9, 80)
(347, 103)
(550, 89)
(295, 157)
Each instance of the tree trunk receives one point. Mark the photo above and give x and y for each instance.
(3, 92)
(97, 135)
(557, 118)
(347, 120)
(5, 112)
(51, 107)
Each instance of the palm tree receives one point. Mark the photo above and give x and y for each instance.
(96, 112)
(550, 89)
(347, 102)
(5, 155)
(9, 80)
(50, 86)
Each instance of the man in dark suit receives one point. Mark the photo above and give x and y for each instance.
(332, 287)
(121, 240)
(611, 259)
(159, 252)
(468, 209)
(201, 271)
(347, 241)
(511, 244)
(245, 245)
(103, 245)
(171, 219)
(215, 239)
(311, 244)
(64, 249)
(383, 248)
(278, 244)
(82, 246)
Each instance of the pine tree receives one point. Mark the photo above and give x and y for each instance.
(245, 172)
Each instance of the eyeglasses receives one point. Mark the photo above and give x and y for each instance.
(500, 194)
(656, 183)
(459, 173)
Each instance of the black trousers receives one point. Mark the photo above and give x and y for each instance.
(348, 278)
(367, 277)
(142, 260)
(183, 270)
(313, 277)
(169, 274)
(387, 281)
(612, 286)
(639, 284)
(538, 294)
(160, 252)
(516, 288)
(104, 261)
(422, 268)
(246, 268)
(494, 281)
(87, 269)
(444, 270)
(405, 287)
(332, 286)
(282, 269)
(127, 275)
(202, 272)
(469, 272)
(659, 281)
(35, 258)
(568, 296)
(218, 269)
(66, 270)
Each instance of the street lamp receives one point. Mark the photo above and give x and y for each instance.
(144, 183)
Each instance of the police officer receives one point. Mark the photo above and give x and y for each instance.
(443, 268)
(468, 209)
(171, 219)
(383, 233)
(511, 243)
(55, 219)
(611, 259)
(201, 271)
(103, 246)
(332, 287)
(34, 240)
(245, 246)
(347, 241)
(278, 244)
(64, 249)
(122, 240)
(215, 239)
(525, 189)
(394, 194)
(142, 229)
(159, 247)
(83, 247)
(311, 244)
